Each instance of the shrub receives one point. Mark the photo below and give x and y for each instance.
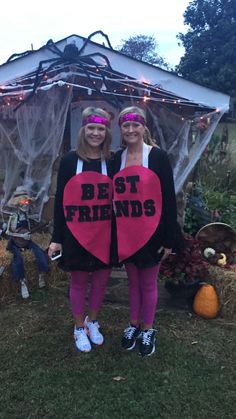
(188, 265)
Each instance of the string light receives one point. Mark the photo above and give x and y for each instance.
(143, 92)
(128, 82)
(127, 88)
(145, 98)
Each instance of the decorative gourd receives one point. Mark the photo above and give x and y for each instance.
(222, 260)
(209, 252)
(206, 303)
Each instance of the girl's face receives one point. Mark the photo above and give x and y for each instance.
(95, 134)
(132, 132)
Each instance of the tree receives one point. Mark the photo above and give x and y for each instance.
(143, 48)
(210, 53)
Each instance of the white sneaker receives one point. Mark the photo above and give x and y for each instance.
(41, 281)
(93, 331)
(81, 340)
(24, 289)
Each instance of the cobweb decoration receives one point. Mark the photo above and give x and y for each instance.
(184, 140)
(32, 139)
(10, 165)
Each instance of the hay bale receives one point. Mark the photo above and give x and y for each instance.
(225, 282)
(9, 290)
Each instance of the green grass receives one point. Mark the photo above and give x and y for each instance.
(192, 375)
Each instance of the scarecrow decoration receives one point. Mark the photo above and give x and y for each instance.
(19, 233)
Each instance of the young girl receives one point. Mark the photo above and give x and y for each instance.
(82, 223)
(145, 206)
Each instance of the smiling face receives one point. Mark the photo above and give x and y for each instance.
(95, 135)
(132, 132)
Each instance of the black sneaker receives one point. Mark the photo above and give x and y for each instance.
(131, 334)
(147, 342)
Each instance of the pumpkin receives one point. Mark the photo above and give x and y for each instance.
(206, 303)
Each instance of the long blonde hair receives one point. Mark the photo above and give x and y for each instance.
(147, 138)
(82, 145)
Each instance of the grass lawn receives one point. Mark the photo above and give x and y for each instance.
(192, 375)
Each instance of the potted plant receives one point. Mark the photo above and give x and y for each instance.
(185, 270)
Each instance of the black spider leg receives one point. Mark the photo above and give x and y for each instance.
(89, 38)
(41, 73)
(61, 59)
(86, 58)
(51, 46)
(85, 70)
(19, 55)
(39, 77)
(98, 54)
(28, 52)
(113, 101)
(56, 61)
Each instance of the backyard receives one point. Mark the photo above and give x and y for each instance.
(192, 374)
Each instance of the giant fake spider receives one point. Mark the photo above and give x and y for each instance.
(70, 55)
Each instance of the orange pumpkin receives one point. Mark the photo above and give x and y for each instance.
(206, 303)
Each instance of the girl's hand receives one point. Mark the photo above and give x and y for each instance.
(165, 251)
(54, 247)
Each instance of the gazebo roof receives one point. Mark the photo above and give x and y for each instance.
(17, 75)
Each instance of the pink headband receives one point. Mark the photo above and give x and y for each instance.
(132, 117)
(95, 119)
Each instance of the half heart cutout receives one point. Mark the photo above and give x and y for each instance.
(138, 207)
(87, 203)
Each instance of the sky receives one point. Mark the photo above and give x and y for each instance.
(28, 24)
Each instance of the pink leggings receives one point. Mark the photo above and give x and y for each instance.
(78, 289)
(143, 292)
